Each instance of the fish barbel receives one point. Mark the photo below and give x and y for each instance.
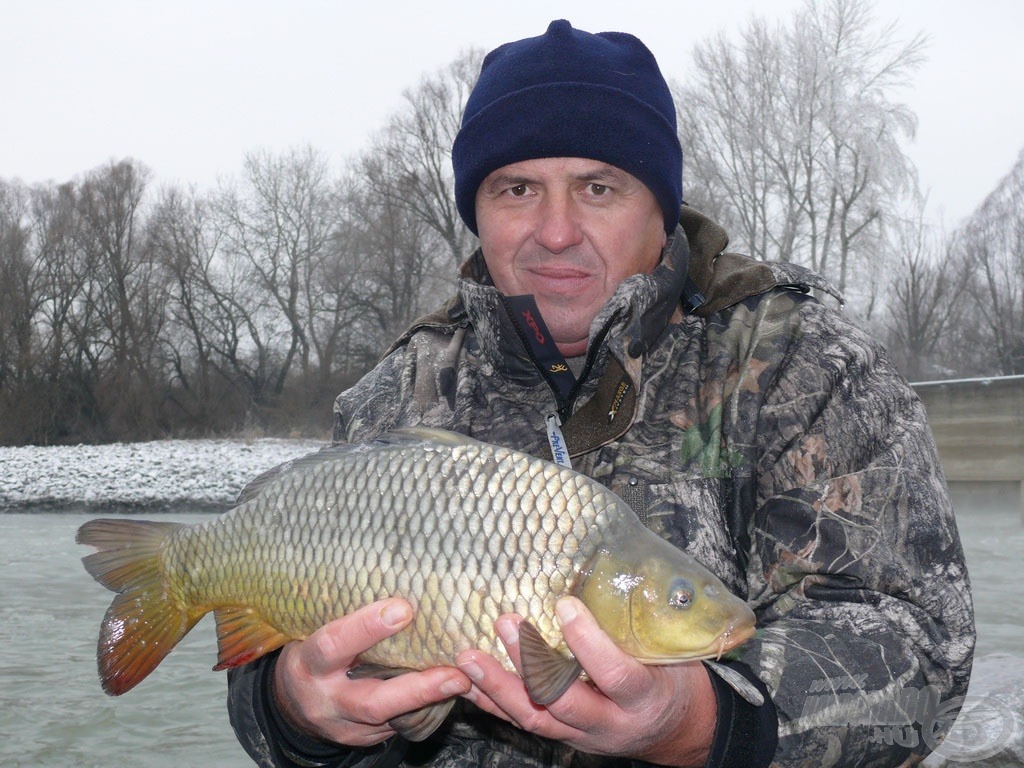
(463, 530)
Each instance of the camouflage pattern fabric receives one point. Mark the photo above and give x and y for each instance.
(765, 435)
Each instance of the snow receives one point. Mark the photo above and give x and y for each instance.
(984, 380)
(173, 474)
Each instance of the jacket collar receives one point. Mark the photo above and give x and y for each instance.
(696, 275)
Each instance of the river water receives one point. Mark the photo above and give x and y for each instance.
(53, 712)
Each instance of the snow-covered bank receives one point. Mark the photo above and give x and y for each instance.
(162, 474)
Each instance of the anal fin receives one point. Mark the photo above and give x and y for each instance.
(243, 636)
(419, 724)
(546, 672)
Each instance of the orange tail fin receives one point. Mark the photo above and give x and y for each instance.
(143, 624)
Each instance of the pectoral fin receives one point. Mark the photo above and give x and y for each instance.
(546, 672)
(746, 689)
(418, 724)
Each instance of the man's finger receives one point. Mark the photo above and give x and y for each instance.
(507, 627)
(335, 645)
(617, 674)
(496, 690)
(383, 700)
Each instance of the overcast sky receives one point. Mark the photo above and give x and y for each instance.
(187, 87)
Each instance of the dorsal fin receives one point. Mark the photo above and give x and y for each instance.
(426, 434)
(388, 440)
(255, 486)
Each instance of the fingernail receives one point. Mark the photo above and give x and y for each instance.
(508, 632)
(395, 614)
(565, 610)
(454, 687)
(472, 670)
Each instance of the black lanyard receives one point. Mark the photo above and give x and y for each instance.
(537, 337)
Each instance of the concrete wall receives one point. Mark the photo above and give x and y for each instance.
(979, 428)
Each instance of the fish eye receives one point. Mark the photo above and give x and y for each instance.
(680, 594)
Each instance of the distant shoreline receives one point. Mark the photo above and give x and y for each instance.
(113, 507)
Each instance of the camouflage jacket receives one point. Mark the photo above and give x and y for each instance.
(751, 425)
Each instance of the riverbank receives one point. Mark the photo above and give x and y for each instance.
(164, 475)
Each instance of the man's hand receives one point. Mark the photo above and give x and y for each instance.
(314, 692)
(662, 714)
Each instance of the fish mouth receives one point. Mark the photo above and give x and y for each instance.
(731, 638)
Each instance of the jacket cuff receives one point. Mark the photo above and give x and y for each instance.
(745, 734)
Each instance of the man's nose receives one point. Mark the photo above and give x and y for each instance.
(559, 226)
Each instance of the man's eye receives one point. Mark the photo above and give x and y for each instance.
(518, 190)
(598, 189)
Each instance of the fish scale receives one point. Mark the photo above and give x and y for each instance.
(404, 525)
(463, 530)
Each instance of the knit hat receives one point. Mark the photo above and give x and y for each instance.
(569, 93)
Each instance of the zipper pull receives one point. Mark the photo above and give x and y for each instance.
(559, 450)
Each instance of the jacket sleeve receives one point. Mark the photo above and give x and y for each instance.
(856, 570)
(744, 734)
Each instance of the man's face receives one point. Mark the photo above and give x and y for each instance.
(568, 231)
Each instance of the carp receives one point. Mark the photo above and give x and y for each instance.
(463, 530)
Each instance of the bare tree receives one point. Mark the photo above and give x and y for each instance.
(21, 297)
(64, 374)
(725, 115)
(992, 241)
(18, 295)
(398, 264)
(926, 298)
(794, 139)
(277, 225)
(408, 166)
(123, 296)
(201, 341)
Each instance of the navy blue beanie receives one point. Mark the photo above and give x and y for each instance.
(569, 93)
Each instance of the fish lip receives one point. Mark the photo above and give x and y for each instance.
(725, 642)
(733, 637)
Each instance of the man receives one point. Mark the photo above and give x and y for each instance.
(744, 421)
